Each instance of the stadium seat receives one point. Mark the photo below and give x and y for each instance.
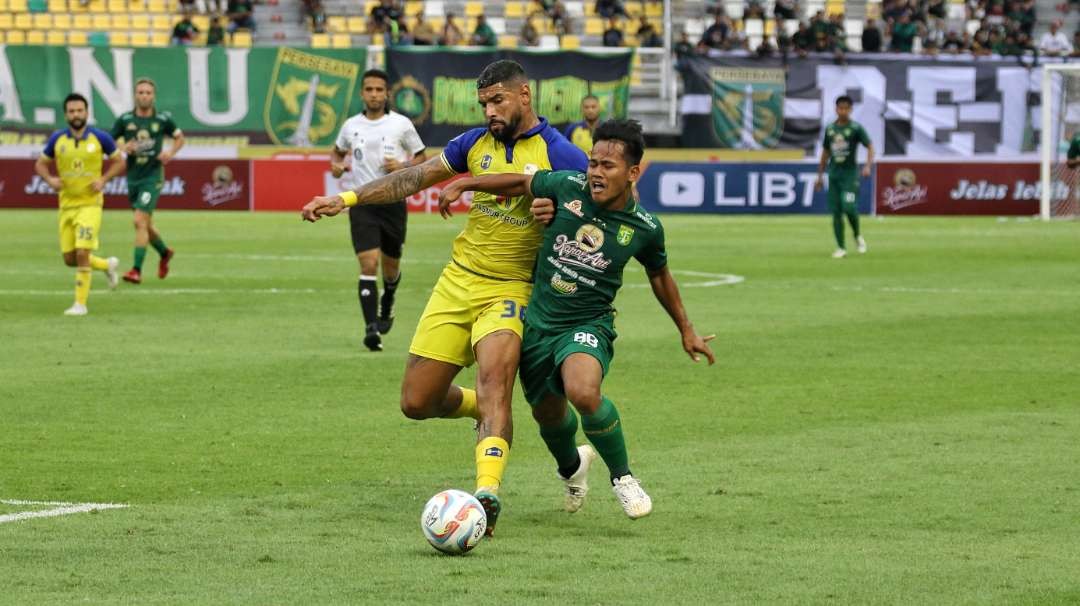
(15, 37)
(791, 26)
(17, 6)
(62, 22)
(320, 41)
(498, 24)
(336, 24)
(654, 9)
(35, 37)
(734, 8)
(24, 21)
(6, 22)
(97, 39)
(58, 6)
(77, 38)
(139, 22)
(594, 26)
(356, 25)
(549, 41)
(754, 27)
(834, 7)
(117, 6)
(514, 10)
(162, 39)
(3, 6)
(37, 6)
(340, 41)
(140, 39)
(508, 41)
(157, 6)
(162, 23)
(590, 9)
(576, 10)
(97, 6)
(370, 4)
(414, 7)
(100, 22)
(570, 42)
(694, 28)
(55, 38)
(971, 26)
(121, 22)
(434, 8)
(956, 12)
(119, 39)
(81, 22)
(241, 39)
(202, 22)
(474, 8)
(634, 8)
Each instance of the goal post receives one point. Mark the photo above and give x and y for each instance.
(1060, 121)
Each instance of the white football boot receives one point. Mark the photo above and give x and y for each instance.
(633, 499)
(112, 273)
(839, 253)
(577, 485)
(77, 309)
(862, 245)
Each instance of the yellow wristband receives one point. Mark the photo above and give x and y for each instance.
(349, 198)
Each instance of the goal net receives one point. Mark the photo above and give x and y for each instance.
(1060, 185)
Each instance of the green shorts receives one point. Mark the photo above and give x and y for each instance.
(143, 195)
(543, 352)
(843, 191)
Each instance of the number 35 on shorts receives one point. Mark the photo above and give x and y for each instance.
(586, 339)
(511, 309)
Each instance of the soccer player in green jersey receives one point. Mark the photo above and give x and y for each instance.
(143, 131)
(839, 151)
(598, 227)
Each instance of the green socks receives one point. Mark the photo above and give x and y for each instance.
(604, 430)
(560, 442)
(838, 227)
(853, 218)
(140, 256)
(159, 246)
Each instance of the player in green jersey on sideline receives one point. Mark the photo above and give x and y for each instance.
(143, 132)
(597, 228)
(840, 151)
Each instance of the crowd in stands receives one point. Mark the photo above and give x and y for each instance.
(1005, 27)
(226, 16)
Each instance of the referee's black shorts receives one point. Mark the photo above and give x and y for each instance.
(379, 226)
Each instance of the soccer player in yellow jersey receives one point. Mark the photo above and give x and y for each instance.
(580, 133)
(79, 152)
(475, 311)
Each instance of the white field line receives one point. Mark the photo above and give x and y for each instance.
(60, 509)
(166, 291)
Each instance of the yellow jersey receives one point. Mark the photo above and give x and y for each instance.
(500, 239)
(78, 162)
(579, 134)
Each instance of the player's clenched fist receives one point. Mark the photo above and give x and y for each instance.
(449, 195)
(543, 210)
(322, 206)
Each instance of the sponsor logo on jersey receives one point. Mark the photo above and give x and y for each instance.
(485, 162)
(626, 233)
(574, 206)
(563, 286)
(578, 178)
(583, 250)
(647, 218)
(155, 127)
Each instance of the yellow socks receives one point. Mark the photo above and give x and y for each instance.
(468, 406)
(98, 263)
(491, 455)
(82, 284)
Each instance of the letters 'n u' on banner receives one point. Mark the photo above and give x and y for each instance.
(281, 96)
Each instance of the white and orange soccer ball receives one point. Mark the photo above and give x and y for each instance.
(453, 521)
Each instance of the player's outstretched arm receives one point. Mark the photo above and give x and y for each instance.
(501, 185)
(667, 292)
(386, 190)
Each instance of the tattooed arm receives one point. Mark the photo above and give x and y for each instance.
(386, 190)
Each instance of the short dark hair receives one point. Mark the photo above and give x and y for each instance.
(587, 97)
(503, 70)
(845, 99)
(75, 97)
(628, 132)
(375, 73)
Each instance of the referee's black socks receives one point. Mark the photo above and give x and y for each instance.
(368, 289)
(389, 289)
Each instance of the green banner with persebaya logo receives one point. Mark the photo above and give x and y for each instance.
(285, 96)
(748, 106)
(436, 87)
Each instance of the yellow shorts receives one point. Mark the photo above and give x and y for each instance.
(465, 308)
(79, 227)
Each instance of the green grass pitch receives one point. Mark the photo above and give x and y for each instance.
(895, 428)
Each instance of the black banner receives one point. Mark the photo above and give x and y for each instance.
(910, 106)
(436, 87)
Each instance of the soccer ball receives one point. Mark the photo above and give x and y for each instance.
(453, 522)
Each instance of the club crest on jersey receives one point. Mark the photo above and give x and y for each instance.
(485, 162)
(589, 238)
(494, 451)
(154, 127)
(574, 206)
(626, 233)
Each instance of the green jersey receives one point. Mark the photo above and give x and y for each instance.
(1074, 147)
(580, 265)
(149, 135)
(843, 143)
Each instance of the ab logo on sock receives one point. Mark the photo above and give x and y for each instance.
(494, 451)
